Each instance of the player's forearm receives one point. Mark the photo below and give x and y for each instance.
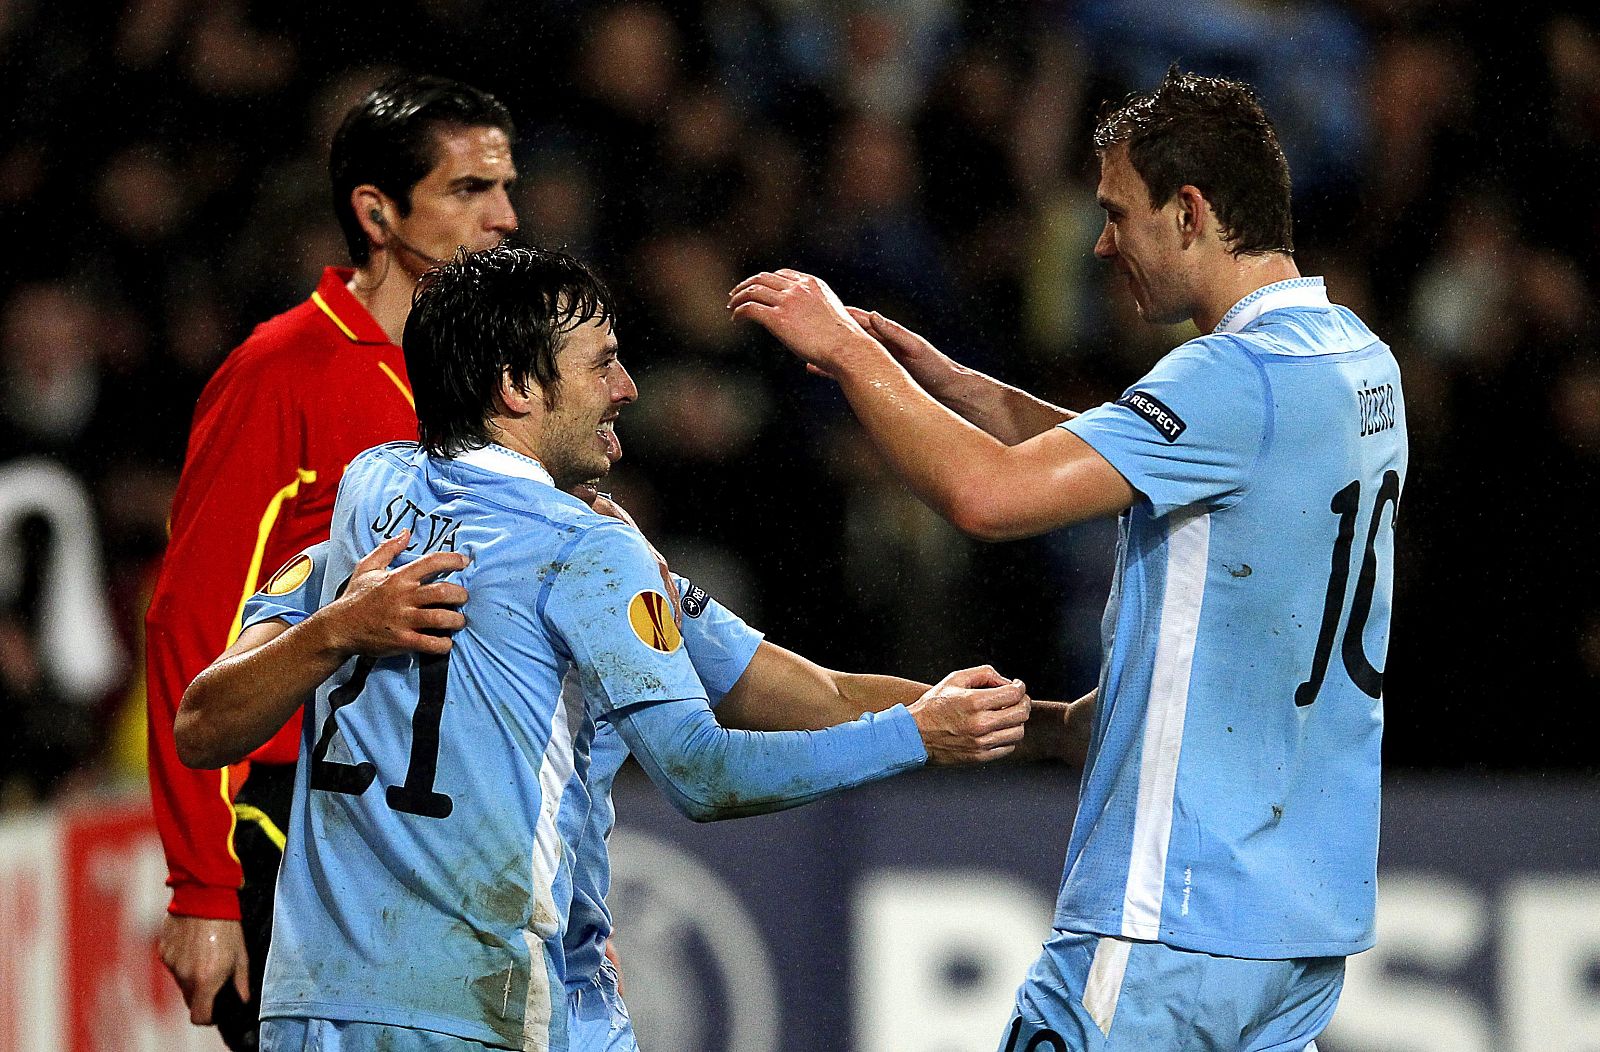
(951, 464)
(710, 772)
(839, 698)
(241, 700)
(245, 696)
(860, 692)
(1058, 731)
(1010, 414)
(784, 691)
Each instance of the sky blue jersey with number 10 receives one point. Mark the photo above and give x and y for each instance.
(427, 878)
(1229, 803)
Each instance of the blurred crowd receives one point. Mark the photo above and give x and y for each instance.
(163, 185)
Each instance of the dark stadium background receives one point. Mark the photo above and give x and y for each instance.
(162, 189)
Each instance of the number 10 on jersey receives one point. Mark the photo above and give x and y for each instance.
(1347, 505)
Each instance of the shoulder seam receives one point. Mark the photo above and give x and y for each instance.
(1268, 425)
(581, 532)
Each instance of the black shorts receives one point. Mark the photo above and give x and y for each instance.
(262, 810)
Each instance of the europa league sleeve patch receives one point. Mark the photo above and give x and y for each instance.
(291, 576)
(650, 616)
(1154, 412)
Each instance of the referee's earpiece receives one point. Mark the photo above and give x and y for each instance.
(376, 215)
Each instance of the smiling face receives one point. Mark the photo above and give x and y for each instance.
(577, 439)
(1144, 243)
(463, 202)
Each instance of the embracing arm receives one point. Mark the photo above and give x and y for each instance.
(986, 488)
(252, 689)
(216, 726)
(1010, 414)
(243, 697)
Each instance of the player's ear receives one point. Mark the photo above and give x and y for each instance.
(518, 399)
(1191, 213)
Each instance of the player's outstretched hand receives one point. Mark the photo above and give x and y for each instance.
(802, 312)
(386, 611)
(971, 716)
(203, 954)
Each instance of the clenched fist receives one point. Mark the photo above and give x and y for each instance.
(972, 716)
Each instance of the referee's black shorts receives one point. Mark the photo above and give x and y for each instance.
(262, 811)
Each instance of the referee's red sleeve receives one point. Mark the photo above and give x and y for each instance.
(243, 466)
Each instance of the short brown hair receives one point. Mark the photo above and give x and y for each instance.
(1212, 134)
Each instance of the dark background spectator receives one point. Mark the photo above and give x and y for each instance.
(162, 178)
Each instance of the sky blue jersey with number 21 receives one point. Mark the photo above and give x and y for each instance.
(719, 644)
(720, 648)
(1230, 800)
(428, 873)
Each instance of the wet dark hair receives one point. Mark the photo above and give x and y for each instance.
(390, 139)
(484, 315)
(1212, 134)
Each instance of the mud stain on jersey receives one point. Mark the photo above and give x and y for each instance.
(502, 999)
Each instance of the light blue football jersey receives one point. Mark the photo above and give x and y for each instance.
(427, 878)
(292, 594)
(1229, 803)
(720, 646)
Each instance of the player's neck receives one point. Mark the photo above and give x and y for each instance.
(1241, 276)
(385, 288)
(516, 434)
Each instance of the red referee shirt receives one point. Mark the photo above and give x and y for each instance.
(272, 434)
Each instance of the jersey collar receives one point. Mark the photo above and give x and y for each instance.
(1295, 292)
(503, 461)
(333, 299)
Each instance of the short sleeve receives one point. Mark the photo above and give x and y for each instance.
(606, 604)
(1189, 432)
(293, 593)
(720, 644)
